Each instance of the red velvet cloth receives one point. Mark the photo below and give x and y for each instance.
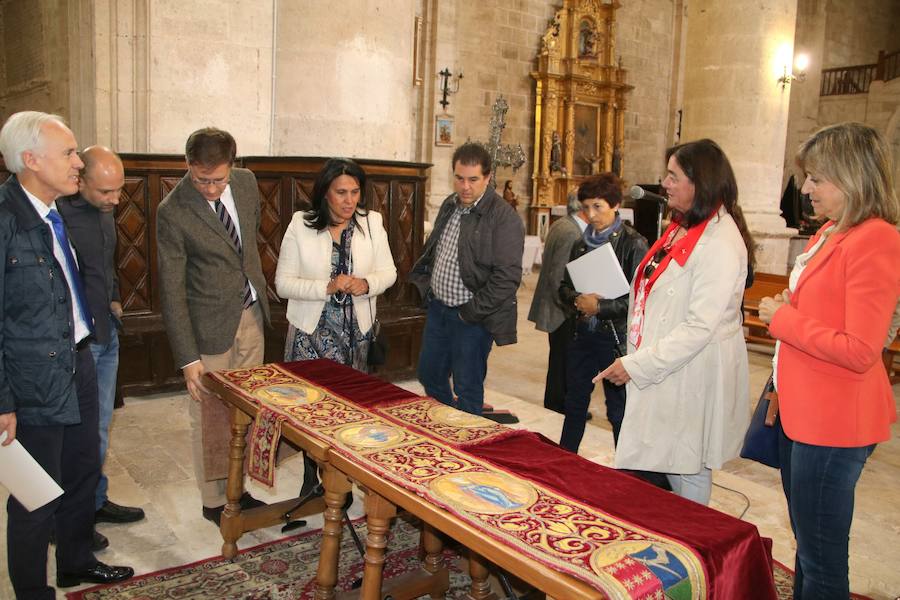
(737, 559)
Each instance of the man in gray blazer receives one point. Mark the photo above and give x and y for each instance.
(546, 312)
(213, 292)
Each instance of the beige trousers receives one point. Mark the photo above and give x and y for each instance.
(210, 432)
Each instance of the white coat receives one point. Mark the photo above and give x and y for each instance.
(304, 269)
(687, 402)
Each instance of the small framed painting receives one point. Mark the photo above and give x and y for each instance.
(443, 130)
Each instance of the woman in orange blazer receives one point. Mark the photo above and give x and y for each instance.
(835, 399)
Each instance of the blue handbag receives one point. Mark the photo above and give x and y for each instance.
(761, 440)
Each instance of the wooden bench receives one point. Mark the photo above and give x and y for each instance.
(764, 284)
(755, 331)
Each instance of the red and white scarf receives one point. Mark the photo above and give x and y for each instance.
(678, 251)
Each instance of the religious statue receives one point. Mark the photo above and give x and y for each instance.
(509, 195)
(617, 162)
(587, 40)
(594, 163)
(555, 154)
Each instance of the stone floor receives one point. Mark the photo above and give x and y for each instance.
(149, 465)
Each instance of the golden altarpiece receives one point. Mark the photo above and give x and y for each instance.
(580, 104)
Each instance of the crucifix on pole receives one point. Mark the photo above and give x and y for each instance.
(502, 155)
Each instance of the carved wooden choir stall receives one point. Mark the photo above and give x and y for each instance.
(396, 189)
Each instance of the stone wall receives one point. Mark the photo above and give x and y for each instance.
(858, 30)
(648, 32)
(209, 71)
(837, 34)
(34, 68)
(495, 44)
(344, 79)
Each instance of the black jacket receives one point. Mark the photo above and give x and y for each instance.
(491, 243)
(93, 235)
(37, 343)
(630, 248)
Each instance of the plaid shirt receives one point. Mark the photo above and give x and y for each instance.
(446, 282)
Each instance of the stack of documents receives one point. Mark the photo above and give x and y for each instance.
(598, 272)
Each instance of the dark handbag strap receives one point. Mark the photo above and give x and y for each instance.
(771, 395)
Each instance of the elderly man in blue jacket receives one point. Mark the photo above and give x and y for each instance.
(468, 274)
(48, 385)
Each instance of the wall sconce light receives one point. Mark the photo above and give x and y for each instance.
(447, 85)
(787, 76)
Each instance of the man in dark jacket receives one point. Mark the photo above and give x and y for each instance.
(48, 386)
(547, 311)
(90, 220)
(468, 274)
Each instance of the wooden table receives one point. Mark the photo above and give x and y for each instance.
(435, 578)
(381, 502)
(717, 539)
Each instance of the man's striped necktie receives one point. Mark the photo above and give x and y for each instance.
(222, 212)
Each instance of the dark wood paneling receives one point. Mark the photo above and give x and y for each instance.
(285, 184)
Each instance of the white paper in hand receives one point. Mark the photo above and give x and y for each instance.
(598, 272)
(25, 479)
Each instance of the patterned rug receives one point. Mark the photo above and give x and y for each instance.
(286, 569)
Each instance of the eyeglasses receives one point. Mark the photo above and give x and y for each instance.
(651, 266)
(217, 183)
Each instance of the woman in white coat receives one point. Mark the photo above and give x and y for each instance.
(334, 261)
(686, 367)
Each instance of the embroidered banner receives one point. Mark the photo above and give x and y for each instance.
(419, 444)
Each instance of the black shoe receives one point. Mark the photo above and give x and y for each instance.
(111, 512)
(588, 416)
(100, 542)
(99, 573)
(214, 513)
(248, 502)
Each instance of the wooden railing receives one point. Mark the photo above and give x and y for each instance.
(858, 78)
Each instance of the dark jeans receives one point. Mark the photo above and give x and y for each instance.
(555, 388)
(589, 353)
(71, 455)
(819, 484)
(452, 347)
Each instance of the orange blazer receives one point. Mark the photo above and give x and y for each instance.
(833, 389)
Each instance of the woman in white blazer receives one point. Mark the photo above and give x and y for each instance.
(334, 261)
(686, 367)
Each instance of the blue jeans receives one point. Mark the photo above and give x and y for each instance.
(589, 352)
(819, 484)
(106, 357)
(452, 347)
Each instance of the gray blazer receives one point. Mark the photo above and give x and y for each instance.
(201, 274)
(546, 312)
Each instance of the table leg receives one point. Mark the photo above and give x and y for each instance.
(336, 488)
(231, 523)
(379, 513)
(434, 558)
(478, 571)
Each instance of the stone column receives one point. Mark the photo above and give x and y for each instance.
(735, 54)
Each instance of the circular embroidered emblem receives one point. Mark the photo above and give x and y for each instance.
(368, 435)
(652, 565)
(484, 492)
(448, 415)
(288, 394)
